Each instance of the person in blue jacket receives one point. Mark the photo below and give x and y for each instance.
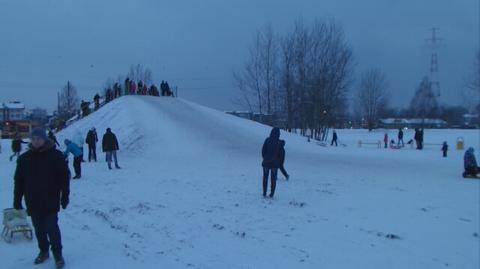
(77, 157)
(470, 163)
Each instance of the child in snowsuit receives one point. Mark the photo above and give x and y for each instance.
(445, 149)
(77, 157)
(470, 163)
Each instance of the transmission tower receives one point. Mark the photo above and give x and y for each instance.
(434, 43)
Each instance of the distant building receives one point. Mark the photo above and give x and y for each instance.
(12, 111)
(471, 120)
(392, 123)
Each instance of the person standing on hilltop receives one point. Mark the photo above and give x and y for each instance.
(272, 157)
(110, 147)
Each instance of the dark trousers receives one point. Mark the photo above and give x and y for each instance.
(334, 141)
(266, 172)
(400, 140)
(92, 152)
(77, 165)
(15, 154)
(386, 144)
(111, 156)
(445, 153)
(284, 172)
(47, 232)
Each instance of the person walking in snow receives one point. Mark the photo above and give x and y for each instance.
(96, 101)
(282, 161)
(17, 146)
(77, 157)
(385, 140)
(445, 149)
(272, 157)
(91, 141)
(42, 178)
(470, 163)
(400, 138)
(110, 147)
(417, 137)
(334, 139)
(127, 86)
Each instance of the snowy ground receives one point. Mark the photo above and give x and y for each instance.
(189, 196)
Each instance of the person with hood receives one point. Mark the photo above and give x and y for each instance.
(110, 147)
(77, 157)
(470, 163)
(17, 146)
(91, 141)
(41, 177)
(272, 157)
(52, 137)
(334, 139)
(400, 138)
(79, 141)
(282, 161)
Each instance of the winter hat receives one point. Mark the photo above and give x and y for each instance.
(39, 132)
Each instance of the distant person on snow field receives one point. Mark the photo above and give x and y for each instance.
(445, 149)
(17, 146)
(110, 147)
(282, 161)
(400, 138)
(334, 139)
(385, 140)
(470, 163)
(42, 178)
(272, 157)
(91, 141)
(77, 157)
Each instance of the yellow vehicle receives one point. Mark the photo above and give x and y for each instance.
(11, 128)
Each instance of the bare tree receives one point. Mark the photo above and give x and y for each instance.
(68, 101)
(140, 73)
(372, 96)
(258, 81)
(424, 103)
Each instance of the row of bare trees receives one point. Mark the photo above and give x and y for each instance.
(302, 75)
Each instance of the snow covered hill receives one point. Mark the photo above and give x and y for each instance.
(189, 196)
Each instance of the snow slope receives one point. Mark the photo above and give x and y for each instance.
(189, 196)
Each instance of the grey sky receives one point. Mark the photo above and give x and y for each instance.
(197, 44)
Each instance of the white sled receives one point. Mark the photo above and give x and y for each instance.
(15, 221)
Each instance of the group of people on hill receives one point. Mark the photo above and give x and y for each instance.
(129, 87)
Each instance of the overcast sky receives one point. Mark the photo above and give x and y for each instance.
(197, 44)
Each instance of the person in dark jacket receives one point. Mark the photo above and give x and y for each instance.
(282, 161)
(96, 101)
(110, 147)
(400, 138)
(91, 141)
(420, 138)
(470, 163)
(52, 137)
(334, 139)
(17, 146)
(272, 158)
(417, 137)
(445, 149)
(41, 177)
(77, 157)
